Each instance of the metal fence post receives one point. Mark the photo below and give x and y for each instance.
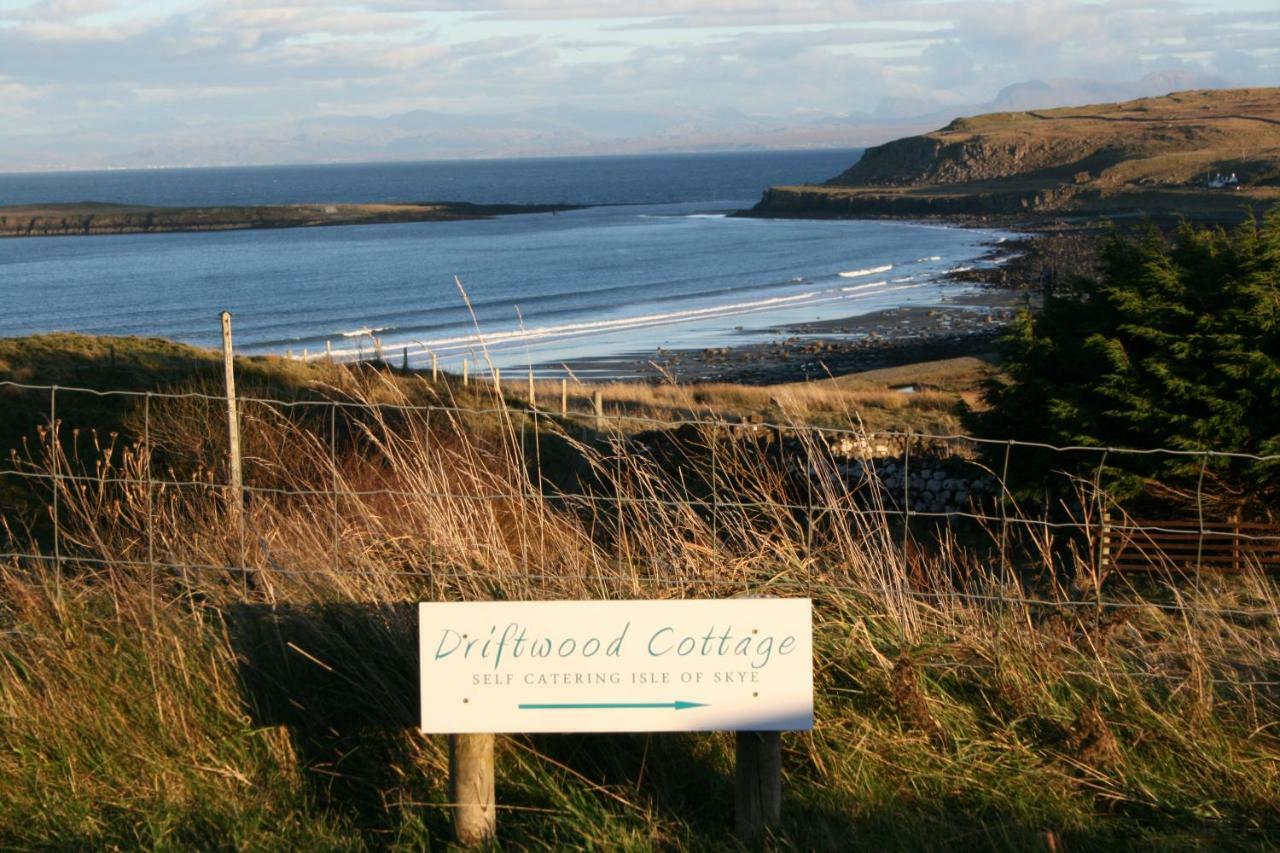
(1004, 507)
(55, 456)
(906, 505)
(151, 520)
(1204, 464)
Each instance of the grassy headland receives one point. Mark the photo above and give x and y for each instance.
(1151, 156)
(88, 218)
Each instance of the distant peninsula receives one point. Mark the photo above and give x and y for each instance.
(97, 218)
(1211, 155)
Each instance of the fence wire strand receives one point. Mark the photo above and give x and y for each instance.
(714, 503)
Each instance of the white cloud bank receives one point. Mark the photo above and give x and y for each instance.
(93, 82)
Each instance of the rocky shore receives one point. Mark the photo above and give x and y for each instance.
(819, 349)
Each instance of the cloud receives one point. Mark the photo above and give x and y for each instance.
(143, 68)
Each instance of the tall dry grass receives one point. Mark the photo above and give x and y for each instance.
(190, 675)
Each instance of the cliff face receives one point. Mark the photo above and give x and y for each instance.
(957, 156)
(1062, 159)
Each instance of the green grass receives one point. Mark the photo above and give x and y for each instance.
(131, 728)
(166, 707)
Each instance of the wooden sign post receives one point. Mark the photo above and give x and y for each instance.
(471, 788)
(757, 789)
(742, 665)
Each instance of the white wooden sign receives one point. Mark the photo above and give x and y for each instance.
(616, 666)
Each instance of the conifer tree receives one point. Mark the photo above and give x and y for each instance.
(1173, 345)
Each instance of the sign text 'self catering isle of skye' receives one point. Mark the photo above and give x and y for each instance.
(616, 666)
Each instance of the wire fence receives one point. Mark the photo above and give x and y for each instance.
(914, 489)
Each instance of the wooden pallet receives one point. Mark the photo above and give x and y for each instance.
(1182, 546)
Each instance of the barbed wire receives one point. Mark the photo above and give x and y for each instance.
(840, 505)
(622, 417)
(823, 509)
(435, 574)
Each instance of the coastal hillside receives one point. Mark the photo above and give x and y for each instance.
(1154, 155)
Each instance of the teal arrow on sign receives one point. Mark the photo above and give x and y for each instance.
(677, 705)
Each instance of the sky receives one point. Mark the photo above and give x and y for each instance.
(89, 80)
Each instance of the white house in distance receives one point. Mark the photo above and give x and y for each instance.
(1223, 182)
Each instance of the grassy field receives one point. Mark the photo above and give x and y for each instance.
(181, 685)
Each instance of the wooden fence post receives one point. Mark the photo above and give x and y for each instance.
(533, 391)
(564, 398)
(597, 405)
(405, 365)
(1104, 543)
(1237, 528)
(328, 351)
(464, 373)
(757, 795)
(233, 415)
(435, 369)
(471, 788)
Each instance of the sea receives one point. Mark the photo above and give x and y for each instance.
(655, 259)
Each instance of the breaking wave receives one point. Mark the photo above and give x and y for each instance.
(867, 271)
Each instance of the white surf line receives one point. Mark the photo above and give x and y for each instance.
(457, 346)
(887, 289)
(620, 324)
(366, 331)
(855, 287)
(818, 298)
(867, 271)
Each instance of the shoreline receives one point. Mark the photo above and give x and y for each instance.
(818, 349)
(1007, 277)
(102, 219)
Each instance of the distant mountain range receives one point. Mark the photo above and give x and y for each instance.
(557, 130)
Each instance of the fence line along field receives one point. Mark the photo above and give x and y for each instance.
(186, 663)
